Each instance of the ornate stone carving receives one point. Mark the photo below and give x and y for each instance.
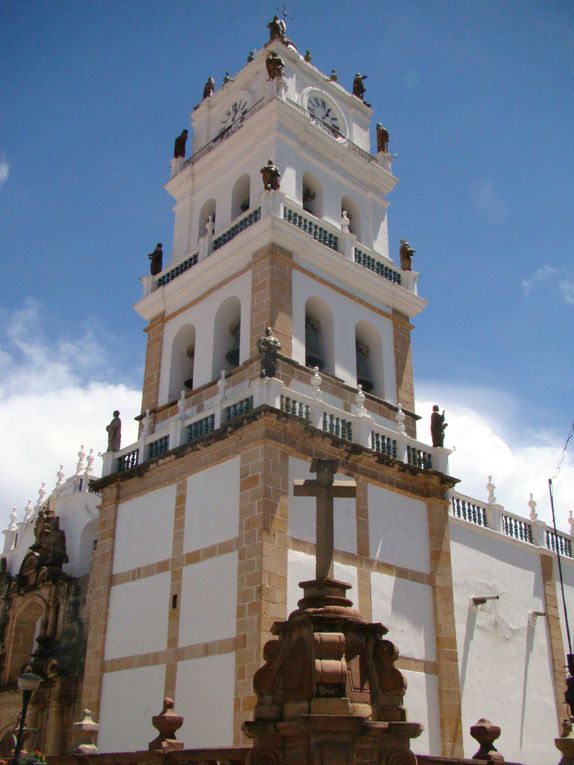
(167, 723)
(268, 348)
(486, 734)
(406, 253)
(274, 65)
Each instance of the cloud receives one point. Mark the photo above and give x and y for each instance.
(489, 202)
(550, 274)
(4, 169)
(54, 398)
(520, 459)
(541, 276)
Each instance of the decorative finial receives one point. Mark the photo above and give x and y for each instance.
(307, 56)
(28, 511)
(490, 487)
(147, 423)
(251, 56)
(60, 476)
(345, 222)
(360, 401)
(81, 466)
(532, 505)
(180, 405)
(316, 382)
(41, 496)
(333, 76)
(400, 418)
(222, 384)
(13, 520)
(227, 78)
(91, 460)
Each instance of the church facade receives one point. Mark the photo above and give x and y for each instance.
(277, 335)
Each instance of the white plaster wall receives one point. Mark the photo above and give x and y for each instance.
(212, 506)
(567, 565)
(302, 513)
(346, 315)
(137, 617)
(421, 702)
(398, 529)
(301, 568)
(406, 609)
(209, 600)
(130, 698)
(144, 529)
(205, 693)
(505, 670)
(202, 316)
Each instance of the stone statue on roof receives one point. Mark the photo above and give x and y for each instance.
(406, 253)
(382, 138)
(275, 66)
(114, 430)
(268, 348)
(209, 88)
(156, 260)
(179, 145)
(271, 176)
(277, 29)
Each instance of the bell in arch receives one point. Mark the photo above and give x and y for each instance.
(232, 355)
(313, 352)
(364, 376)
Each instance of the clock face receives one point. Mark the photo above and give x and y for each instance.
(321, 108)
(234, 114)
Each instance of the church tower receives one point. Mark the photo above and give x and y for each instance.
(277, 334)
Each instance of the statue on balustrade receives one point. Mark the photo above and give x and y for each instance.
(156, 260)
(359, 86)
(209, 88)
(382, 138)
(275, 66)
(114, 430)
(179, 145)
(271, 176)
(268, 348)
(406, 253)
(437, 426)
(277, 29)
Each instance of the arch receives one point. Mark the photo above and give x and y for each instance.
(369, 359)
(312, 195)
(319, 340)
(207, 209)
(182, 361)
(354, 214)
(87, 542)
(25, 628)
(226, 336)
(240, 196)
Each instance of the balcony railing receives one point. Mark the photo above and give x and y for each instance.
(311, 227)
(357, 427)
(377, 266)
(496, 518)
(237, 228)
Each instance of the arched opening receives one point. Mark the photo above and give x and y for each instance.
(240, 196)
(353, 214)
(369, 359)
(312, 195)
(25, 630)
(226, 337)
(207, 212)
(319, 345)
(182, 361)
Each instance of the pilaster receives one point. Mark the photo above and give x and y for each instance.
(152, 363)
(449, 696)
(556, 644)
(404, 365)
(271, 296)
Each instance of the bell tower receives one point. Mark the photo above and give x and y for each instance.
(277, 334)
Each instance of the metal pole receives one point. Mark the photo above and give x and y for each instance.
(26, 696)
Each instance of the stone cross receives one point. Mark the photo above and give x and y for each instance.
(325, 489)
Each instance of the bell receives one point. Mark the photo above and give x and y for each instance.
(232, 355)
(313, 354)
(363, 371)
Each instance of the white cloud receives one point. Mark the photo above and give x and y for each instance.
(4, 168)
(489, 439)
(489, 202)
(550, 274)
(51, 403)
(541, 276)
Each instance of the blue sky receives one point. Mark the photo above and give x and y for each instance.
(479, 101)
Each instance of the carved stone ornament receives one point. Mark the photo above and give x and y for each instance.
(167, 723)
(275, 66)
(486, 734)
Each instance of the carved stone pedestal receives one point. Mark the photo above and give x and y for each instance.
(329, 693)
